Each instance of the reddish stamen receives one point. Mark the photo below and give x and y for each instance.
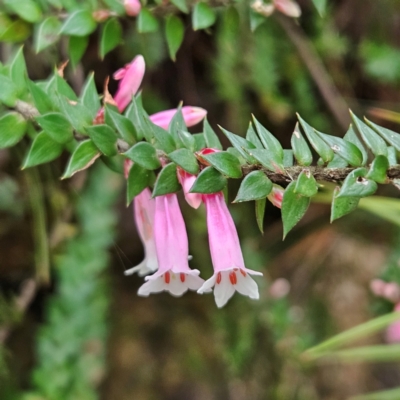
(233, 278)
(219, 277)
(183, 277)
(243, 272)
(167, 277)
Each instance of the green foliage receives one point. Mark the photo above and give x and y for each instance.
(203, 16)
(255, 186)
(174, 31)
(167, 181)
(12, 129)
(209, 181)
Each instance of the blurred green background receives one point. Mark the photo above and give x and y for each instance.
(87, 335)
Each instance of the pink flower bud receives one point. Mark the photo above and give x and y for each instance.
(391, 292)
(132, 7)
(393, 331)
(377, 287)
(288, 7)
(187, 181)
(276, 196)
(191, 116)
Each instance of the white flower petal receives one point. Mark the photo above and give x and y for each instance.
(224, 290)
(194, 282)
(245, 285)
(208, 285)
(152, 286)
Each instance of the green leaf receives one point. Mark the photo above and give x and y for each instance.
(164, 140)
(270, 142)
(111, 36)
(376, 144)
(47, 33)
(167, 181)
(225, 163)
(240, 144)
(357, 185)
(392, 156)
(390, 136)
(301, 151)
(252, 137)
(18, 72)
(89, 96)
(104, 139)
(123, 125)
(306, 184)
(8, 92)
(337, 162)
(146, 22)
(186, 160)
(76, 48)
(351, 137)
(203, 16)
(378, 169)
(28, 10)
(144, 154)
(79, 23)
(287, 158)
(256, 20)
(294, 206)
(266, 158)
(322, 148)
(115, 164)
(63, 88)
(199, 141)
(342, 205)
(209, 181)
(174, 32)
(17, 31)
(181, 5)
(176, 126)
(210, 136)
(138, 179)
(56, 126)
(139, 118)
(77, 114)
(12, 129)
(188, 140)
(43, 150)
(320, 5)
(83, 157)
(348, 151)
(260, 211)
(389, 394)
(40, 98)
(255, 186)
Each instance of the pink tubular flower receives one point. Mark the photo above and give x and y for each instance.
(191, 116)
(276, 196)
(187, 180)
(174, 274)
(131, 77)
(132, 7)
(230, 273)
(144, 208)
(393, 330)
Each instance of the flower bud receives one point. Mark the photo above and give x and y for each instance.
(132, 7)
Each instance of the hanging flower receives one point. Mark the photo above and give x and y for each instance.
(187, 180)
(230, 273)
(174, 274)
(144, 208)
(191, 116)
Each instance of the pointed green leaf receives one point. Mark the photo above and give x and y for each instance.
(240, 144)
(56, 126)
(8, 92)
(188, 140)
(306, 184)
(320, 5)
(15, 32)
(77, 46)
(40, 98)
(186, 160)
(203, 16)
(79, 23)
(138, 116)
(266, 158)
(256, 20)
(146, 22)
(342, 205)
(115, 164)
(47, 33)
(63, 88)
(123, 125)
(294, 206)
(12, 129)
(252, 137)
(351, 137)
(209, 181)
(392, 156)
(164, 140)
(348, 151)
(176, 126)
(390, 136)
(83, 157)
(144, 154)
(111, 36)
(138, 179)
(255, 186)
(378, 169)
(77, 114)
(167, 181)
(44, 149)
(199, 141)
(174, 32)
(287, 158)
(18, 72)
(357, 185)
(89, 96)
(376, 144)
(322, 148)
(260, 211)
(225, 163)
(301, 151)
(181, 5)
(28, 10)
(104, 139)
(337, 162)
(270, 142)
(210, 136)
